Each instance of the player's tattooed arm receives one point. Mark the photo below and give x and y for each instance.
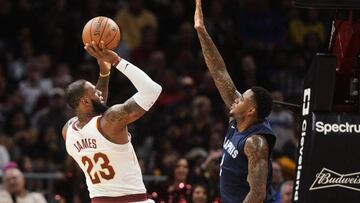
(257, 152)
(123, 114)
(213, 59)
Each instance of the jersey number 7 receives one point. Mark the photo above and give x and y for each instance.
(107, 171)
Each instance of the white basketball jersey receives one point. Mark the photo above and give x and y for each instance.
(111, 169)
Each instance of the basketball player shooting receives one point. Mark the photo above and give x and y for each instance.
(98, 138)
(245, 174)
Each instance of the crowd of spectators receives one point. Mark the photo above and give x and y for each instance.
(263, 42)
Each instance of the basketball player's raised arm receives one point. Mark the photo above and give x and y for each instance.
(136, 106)
(213, 59)
(257, 151)
(139, 103)
(104, 77)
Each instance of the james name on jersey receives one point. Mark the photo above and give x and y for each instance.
(85, 144)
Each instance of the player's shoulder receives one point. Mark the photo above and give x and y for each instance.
(256, 144)
(67, 124)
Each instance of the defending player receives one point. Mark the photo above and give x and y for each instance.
(245, 174)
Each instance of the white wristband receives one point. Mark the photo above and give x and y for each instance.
(122, 66)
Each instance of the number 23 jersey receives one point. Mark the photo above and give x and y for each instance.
(111, 170)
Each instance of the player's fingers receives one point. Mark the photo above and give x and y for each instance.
(97, 50)
(95, 47)
(102, 45)
(198, 3)
(103, 48)
(90, 49)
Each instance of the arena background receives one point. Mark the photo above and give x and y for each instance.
(263, 42)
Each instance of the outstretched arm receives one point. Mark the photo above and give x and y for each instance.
(257, 152)
(104, 77)
(148, 91)
(213, 59)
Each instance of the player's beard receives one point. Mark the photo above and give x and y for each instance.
(99, 107)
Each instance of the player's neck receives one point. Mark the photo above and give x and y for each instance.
(84, 118)
(244, 124)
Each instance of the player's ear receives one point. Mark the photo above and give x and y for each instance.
(85, 101)
(252, 110)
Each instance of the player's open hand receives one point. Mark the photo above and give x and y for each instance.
(101, 53)
(198, 17)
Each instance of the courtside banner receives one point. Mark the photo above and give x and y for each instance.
(329, 161)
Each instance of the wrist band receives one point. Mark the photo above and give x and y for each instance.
(104, 75)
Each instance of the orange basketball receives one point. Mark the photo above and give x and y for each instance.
(102, 29)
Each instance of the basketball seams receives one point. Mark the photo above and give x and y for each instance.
(97, 33)
(106, 22)
(118, 32)
(91, 30)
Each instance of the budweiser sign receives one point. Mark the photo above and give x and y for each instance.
(328, 178)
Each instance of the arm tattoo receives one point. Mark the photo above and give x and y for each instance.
(257, 152)
(217, 68)
(103, 85)
(125, 113)
(117, 112)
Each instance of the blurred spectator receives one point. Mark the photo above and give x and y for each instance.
(13, 101)
(15, 191)
(282, 123)
(171, 91)
(34, 86)
(249, 74)
(178, 188)
(199, 194)
(288, 167)
(74, 188)
(4, 156)
(182, 49)
(277, 179)
(17, 67)
(286, 191)
(289, 78)
(201, 121)
(299, 27)
(215, 141)
(62, 76)
(209, 170)
(53, 114)
(132, 20)
(156, 64)
(23, 135)
(53, 148)
(9, 143)
(149, 44)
